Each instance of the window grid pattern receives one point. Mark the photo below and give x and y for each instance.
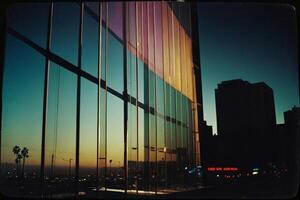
(160, 132)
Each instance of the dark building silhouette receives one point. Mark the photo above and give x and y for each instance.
(292, 121)
(207, 145)
(245, 122)
(287, 141)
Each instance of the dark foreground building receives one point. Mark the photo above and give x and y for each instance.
(103, 95)
(245, 122)
(287, 141)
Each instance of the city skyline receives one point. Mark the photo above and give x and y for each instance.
(254, 42)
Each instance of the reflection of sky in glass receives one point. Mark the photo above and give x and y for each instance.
(66, 31)
(252, 42)
(115, 64)
(30, 20)
(88, 124)
(22, 100)
(61, 114)
(90, 45)
(115, 131)
(23, 91)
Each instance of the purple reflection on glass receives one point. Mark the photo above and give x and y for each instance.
(115, 18)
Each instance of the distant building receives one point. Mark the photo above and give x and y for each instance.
(245, 122)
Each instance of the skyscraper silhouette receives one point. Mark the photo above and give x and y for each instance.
(245, 122)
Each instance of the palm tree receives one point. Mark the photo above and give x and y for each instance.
(16, 150)
(25, 155)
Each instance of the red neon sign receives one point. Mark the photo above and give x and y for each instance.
(222, 169)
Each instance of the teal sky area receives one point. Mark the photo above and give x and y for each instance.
(254, 42)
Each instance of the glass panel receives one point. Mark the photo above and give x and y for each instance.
(131, 74)
(190, 132)
(132, 25)
(139, 25)
(61, 131)
(103, 138)
(150, 37)
(173, 170)
(158, 38)
(90, 45)
(141, 80)
(30, 19)
(146, 85)
(132, 147)
(115, 64)
(169, 152)
(147, 176)
(173, 101)
(21, 118)
(165, 30)
(177, 54)
(160, 104)
(104, 57)
(152, 153)
(151, 89)
(161, 154)
(115, 142)
(171, 46)
(141, 151)
(94, 6)
(144, 43)
(173, 136)
(184, 126)
(65, 31)
(115, 18)
(178, 139)
(88, 135)
(184, 80)
(131, 55)
(188, 48)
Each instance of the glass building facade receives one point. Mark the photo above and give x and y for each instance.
(101, 94)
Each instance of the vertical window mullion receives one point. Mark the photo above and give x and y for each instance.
(45, 98)
(78, 99)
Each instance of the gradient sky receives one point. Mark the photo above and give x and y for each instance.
(255, 42)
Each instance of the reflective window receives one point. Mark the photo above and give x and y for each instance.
(160, 122)
(132, 146)
(141, 151)
(21, 115)
(160, 104)
(90, 45)
(88, 134)
(141, 80)
(132, 25)
(158, 38)
(114, 64)
(61, 130)
(131, 74)
(29, 19)
(103, 139)
(150, 46)
(65, 31)
(115, 18)
(115, 142)
(161, 153)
